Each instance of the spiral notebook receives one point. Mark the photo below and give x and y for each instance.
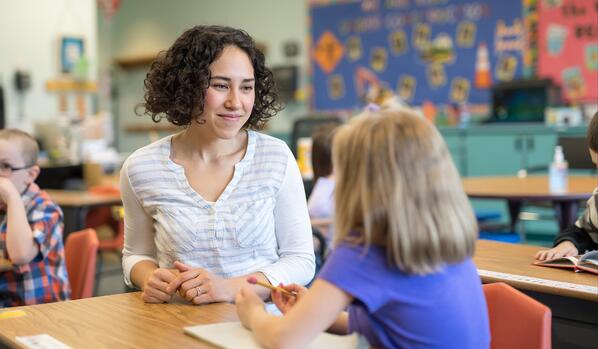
(232, 335)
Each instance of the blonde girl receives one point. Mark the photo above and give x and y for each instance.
(405, 235)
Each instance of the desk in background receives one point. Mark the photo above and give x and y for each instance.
(572, 297)
(117, 321)
(516, 191)
(76, 203)
(5, 264)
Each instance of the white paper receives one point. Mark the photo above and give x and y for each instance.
(232, 335)
(41, 341)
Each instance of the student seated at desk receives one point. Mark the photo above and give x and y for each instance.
(405, 234)
(30, 228)
(320, 204)
(583, 235)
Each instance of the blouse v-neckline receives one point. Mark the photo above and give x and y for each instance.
(186, 187)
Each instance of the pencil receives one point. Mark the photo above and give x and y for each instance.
(254, 281)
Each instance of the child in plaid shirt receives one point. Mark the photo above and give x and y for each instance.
(30, 228)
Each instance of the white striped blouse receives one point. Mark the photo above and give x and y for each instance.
(259, 223)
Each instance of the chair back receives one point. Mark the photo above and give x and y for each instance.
(517, 321)
(81, 250)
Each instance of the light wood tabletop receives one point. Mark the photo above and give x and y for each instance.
(76, 203)
(5, 264)
(79, 198)
(528, 188)
(517, 191)
(117, 321)
(516, 260)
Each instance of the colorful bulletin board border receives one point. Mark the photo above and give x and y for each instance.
(568, 46)
(439, 50)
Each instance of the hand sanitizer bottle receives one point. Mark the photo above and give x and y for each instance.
(557, 176)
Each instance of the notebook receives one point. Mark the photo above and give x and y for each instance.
(232, 335)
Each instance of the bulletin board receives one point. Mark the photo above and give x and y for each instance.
(438, 50)
(568, 46)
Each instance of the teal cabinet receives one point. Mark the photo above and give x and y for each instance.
(455, 143)
(489, 155)
(505, 154)
(539, 150)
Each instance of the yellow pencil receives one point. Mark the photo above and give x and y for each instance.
(254, 281)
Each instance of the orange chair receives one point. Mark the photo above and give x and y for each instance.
(114, 244)
(81, 249)
(516, 320)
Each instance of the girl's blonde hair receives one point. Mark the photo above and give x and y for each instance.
(397, 187)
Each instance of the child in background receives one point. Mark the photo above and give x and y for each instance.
(320, 203)
(583, 235)
(30, 228)
(404, 236)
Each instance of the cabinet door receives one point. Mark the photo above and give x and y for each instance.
(494, 155)
(454, 142)
(539, 149)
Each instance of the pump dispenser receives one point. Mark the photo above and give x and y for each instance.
(557, 175)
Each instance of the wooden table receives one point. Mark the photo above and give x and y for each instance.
(533, 188)
(5, 264)
(574, 311)
(517, 260)
(118, 321)
(76, 203)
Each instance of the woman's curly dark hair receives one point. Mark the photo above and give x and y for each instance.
(176, 84)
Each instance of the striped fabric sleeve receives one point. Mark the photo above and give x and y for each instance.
(139, 243)
(293, 233)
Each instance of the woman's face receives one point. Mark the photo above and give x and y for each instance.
(230, 95)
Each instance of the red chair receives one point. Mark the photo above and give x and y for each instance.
(114, 217)
(81, 249)
(517, 321)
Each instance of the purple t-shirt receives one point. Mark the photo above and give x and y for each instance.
(392, 309)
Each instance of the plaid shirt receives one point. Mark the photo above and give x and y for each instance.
(44, 279)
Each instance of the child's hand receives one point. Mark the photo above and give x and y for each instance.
(7, 191)
(283, 302)
(247, 302)
(564, 249)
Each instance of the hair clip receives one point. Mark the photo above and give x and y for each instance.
(372, 107)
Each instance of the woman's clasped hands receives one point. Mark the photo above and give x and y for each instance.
(196, 285)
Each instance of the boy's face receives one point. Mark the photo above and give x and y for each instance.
(11, 158)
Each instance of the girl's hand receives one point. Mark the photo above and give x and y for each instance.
(199, 286)
(155, 287)
(247, 302)
(283, 302)
(564, 249)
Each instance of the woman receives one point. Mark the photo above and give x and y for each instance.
(218, 202)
